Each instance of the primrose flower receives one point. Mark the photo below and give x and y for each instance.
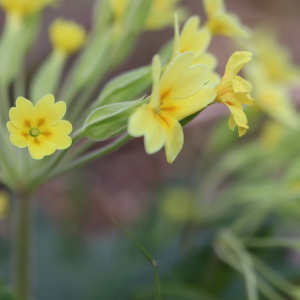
(197, 40)
(177, 94)
(67, 36)
(161, 14)
(233, 91)
(221, 22)
(40, 127)
(24, 7)
(273, 59)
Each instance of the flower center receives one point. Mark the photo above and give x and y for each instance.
(34, 132)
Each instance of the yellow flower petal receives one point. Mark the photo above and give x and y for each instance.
(144, 122)
(193, 39)
(180, 80)
(241, 85)
(182, 108)
(235, 63)
(213, 6)
(174, 139)
(24, 109)
(50, 112)
(156, 70)
(17, 137)
(59, 135)
(40, 148)
(207, 59)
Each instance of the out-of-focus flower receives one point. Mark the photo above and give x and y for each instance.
(271, 97)
(233, 91)
(272, 134)
(197, 40)
(40, 127)
(161, 14)
(179, 93)
(24, 7)
(220, 22)
(273, 60)
(67, 36)
(4, 204)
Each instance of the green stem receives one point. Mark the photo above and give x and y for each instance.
(23, 236)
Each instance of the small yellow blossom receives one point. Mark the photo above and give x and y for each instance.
(24, 7)
(233, 91)
(177, 94)
(39, 127)
(220, 22)
(67, 36)
(161, 14)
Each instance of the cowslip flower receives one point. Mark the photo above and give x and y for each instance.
(23, 8)
(177, 94)
(161, 14)
(195, 39)
(274, 60)
(39, 127)
(271, 97)
(220, 22)
(233, 91)
(67, 36)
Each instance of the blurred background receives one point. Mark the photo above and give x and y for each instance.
(226, 202)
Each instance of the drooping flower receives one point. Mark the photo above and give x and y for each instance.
(67, 36)
(177, 94)
(233, 91)
(39, 127)
(24, 7)
(220, 22)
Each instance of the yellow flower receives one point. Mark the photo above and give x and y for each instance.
(177, 94)
(197, 40)
(67, 36)
(272, 97)
(40, 127)
(273, 59)
(233, 91)
(24, 7)
(220, 22)
(161, 14)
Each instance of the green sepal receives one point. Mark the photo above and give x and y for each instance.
(110, 120)
(125, 86)
(47, 77)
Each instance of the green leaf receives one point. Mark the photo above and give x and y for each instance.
(110, 120)
(126, 86)
(102, 16)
